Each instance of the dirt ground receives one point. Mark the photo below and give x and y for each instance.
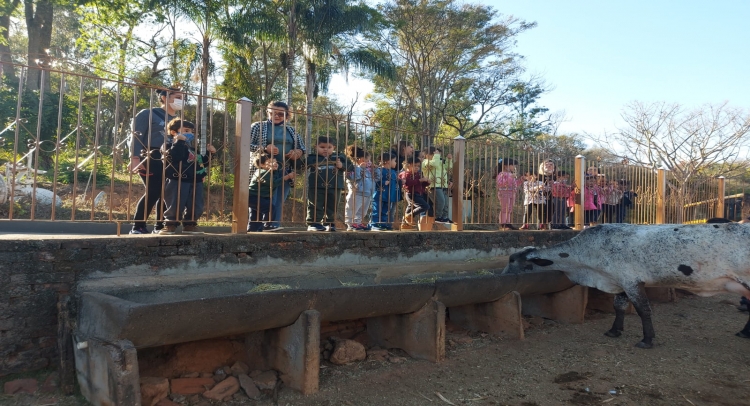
(696, 360)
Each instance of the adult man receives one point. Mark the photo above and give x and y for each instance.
(148, 137)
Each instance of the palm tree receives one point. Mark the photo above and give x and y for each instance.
(207, 17)
(328, 33)
(325, 30)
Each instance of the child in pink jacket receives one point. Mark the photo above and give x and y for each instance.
(507, 187)
(590, 208)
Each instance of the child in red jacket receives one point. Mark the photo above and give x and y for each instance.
(413, 183)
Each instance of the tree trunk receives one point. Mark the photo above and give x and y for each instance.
(6, 69)
(205, 59)
(39, 29)
(310, 79)
(291, 47)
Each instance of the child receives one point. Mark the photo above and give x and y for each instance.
(360, 185)
(590, 206)
(183, 187)
(325, 179)
(627, 201)
(414, 184)
(437, 172)
(548, 175)
(387, 194)
(533, 199)
(263, 183)
(611, 196)
(559, 201)
(507, 187)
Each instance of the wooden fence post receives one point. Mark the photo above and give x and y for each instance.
(459, 156)
(721, 192)
(240, 193)
(661, 196)
(580, 181)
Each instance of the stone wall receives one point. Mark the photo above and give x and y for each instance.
(39, 275)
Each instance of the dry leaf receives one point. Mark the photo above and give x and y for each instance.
(420, 394)
(444, 399)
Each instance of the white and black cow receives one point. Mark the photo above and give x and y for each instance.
(623, 259)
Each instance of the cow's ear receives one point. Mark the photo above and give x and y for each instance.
(541, 261)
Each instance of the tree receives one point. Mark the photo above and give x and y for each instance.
(441, 47)
(207, 15)
(497, 102)
(6, 62)
(38, 14)
(328, 31)
(686, 142)
(256, 51)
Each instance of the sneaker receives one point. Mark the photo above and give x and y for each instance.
(331, 228)
(524, 227)
(388, 227)
(377, 227)
(449, 221)
(157, 230)
(192, 230)
(363, 227)
(352, 227)
(441, 220)
(316, 227)
(272, 228)
(168, 230)
(139, 230)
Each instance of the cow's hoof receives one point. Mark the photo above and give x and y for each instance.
(743, 334)
(643, 345)
(613, 333)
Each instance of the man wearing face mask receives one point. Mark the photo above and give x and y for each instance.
(149, 128)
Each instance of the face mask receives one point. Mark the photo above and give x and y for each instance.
(176, 104)
(189, 137)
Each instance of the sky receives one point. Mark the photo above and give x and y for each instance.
(598, 56)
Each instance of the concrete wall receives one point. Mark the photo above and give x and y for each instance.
(40, 274)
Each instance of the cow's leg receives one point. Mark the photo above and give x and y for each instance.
(637, 295)
(621, 305)
(745, 333)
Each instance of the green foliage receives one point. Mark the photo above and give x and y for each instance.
(455, 68)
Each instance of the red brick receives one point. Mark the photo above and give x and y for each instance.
(191, 386)
(21, 386)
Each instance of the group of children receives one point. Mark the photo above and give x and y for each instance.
(368, 188)
(549, 197)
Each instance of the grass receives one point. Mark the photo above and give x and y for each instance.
(351, 284)
(267, 287)
(430, 279)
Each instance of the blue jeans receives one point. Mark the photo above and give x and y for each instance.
(383, 211)
(277, 203)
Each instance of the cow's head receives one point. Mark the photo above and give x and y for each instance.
(525, 261)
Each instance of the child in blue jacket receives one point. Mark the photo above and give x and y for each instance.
(387, 194)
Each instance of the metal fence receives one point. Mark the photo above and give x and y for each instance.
(64, 152)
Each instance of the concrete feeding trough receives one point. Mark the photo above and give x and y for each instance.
(113, 325)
